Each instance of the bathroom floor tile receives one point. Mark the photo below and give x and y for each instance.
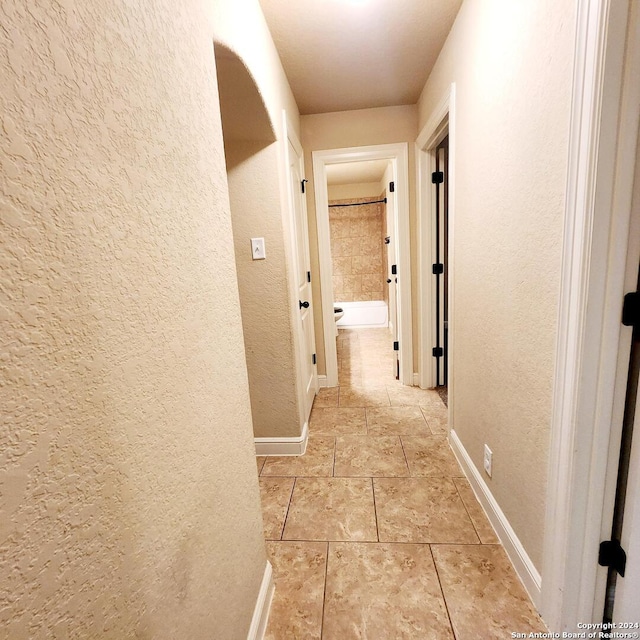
(401, 395)
(484, 596)
(275, 494)
(383, 591)
(299, 570)
(430, 456)
(369, 456)
(327, 421)
(326, 397)
(480, 521)
(396, 421)
(364, 397)
(422, 510)
(331, 509)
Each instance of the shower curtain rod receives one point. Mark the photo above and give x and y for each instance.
(359, 204)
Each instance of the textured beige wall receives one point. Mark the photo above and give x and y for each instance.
(511, 63)
(129, 502)
(264, 297)
(359, 128)
(356, 251)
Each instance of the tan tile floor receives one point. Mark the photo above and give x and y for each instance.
(375, 534)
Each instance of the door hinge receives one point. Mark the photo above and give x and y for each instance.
(392, 187)
(631, 310)
(437, 268)
(396, 346)
(438, 352)
(387, 240)
(437, 177)
(308, 276)
(394, 269)
(313, 358)
(302, 183)
(612, 555)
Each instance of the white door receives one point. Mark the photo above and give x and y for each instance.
(626, 608)
(626, 603)
(302, 278)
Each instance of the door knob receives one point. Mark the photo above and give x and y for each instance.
(304, 304)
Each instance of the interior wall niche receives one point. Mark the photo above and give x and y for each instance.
(253, 180)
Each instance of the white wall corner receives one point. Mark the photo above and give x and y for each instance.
(523, 565)
(262, 609)
(416, 379)
(322, 381)
(283, 446)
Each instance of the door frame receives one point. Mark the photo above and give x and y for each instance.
(441, 122)
(290, 136)
(586, 412)
(398, 154)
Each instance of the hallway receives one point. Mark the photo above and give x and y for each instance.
(375, 532)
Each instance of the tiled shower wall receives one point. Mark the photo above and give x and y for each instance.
(357, 248)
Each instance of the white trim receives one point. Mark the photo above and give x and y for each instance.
(596, 235)
(441, 121)
(322, 381)
(523, 565)
(283, 446)
(262, 609)
(399, 156)
(416, 379)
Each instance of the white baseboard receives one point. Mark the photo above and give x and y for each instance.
(263, 605)
(416, 379)
(525, 569)
(322, 381)
(283, 446)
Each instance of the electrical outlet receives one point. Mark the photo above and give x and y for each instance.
(488, 456)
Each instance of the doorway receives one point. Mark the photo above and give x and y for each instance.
(440, 181)
(435, 148)
(395, 158)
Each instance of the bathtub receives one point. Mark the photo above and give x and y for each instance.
(363, 314)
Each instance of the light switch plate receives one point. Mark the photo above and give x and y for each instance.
(257, 249)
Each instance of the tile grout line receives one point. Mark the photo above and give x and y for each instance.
(286, 515)
(406, 460)
(324, 594)
(335, 451)
(464, 504)
(444, 598)
(375, 509)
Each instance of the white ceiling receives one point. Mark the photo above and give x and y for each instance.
(353, 54)
(356, 172)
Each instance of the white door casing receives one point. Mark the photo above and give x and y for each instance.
(301, 273)
(587, 416)
(398, 155)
